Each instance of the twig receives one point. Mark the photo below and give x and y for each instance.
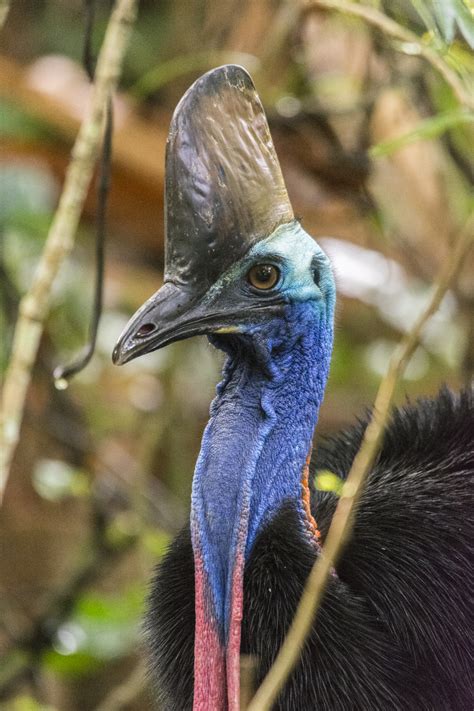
(121, 696)
(390, 27)
(341, 525)
(4, 8)
(248, 667)
(35, 304)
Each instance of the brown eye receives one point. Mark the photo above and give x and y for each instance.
(263, 276)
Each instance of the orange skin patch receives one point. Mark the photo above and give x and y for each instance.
(311, 521)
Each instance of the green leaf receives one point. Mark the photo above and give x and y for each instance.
(326, 480)
(155, 541)
(443, 17)
(123, 608)
(56, 480)
(101, 628)
(427, 129)
(465, 20)
(28, 703)
(73, 665)
(16, 123)
(124, 529)
(424, 11)
(26, 190)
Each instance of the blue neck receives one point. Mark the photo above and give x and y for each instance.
(256, 443)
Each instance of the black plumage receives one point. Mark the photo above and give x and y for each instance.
(394, 630)
(394, 627)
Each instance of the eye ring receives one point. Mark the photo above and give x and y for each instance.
(263, 276)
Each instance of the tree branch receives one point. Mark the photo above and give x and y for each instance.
(393, 29)
(35, 304)
(341, 525)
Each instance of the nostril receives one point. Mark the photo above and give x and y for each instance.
(145, 330)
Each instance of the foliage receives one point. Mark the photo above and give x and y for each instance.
(445, 17)
(429, 128)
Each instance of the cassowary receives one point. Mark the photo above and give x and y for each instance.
(395, 626)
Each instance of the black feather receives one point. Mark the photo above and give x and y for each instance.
(394, 630)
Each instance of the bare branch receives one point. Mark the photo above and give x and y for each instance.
(35, 304)
(393, 29)
(248, 668)
(341, 525)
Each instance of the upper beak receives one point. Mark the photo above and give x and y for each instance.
(171, 314)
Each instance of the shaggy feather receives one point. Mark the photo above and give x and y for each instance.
(394, 630)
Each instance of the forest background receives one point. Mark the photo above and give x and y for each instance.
(376, 143)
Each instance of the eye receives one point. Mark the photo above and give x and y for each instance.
(263, 276)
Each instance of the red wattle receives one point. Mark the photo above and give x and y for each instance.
(233, 643)
(209, 655)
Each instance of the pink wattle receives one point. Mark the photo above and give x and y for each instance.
(209, 655)
(217, 670)
(233, 642)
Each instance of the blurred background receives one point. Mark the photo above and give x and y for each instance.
(378, 157)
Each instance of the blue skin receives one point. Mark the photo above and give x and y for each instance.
(262, 420)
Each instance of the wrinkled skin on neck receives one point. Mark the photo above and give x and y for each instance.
(251, 462)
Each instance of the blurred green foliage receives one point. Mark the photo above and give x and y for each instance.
(100, 629)
(430, 128)
(445, 18)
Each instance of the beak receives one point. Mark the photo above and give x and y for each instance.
(171, 314)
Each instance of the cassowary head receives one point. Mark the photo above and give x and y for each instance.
(235, 257)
